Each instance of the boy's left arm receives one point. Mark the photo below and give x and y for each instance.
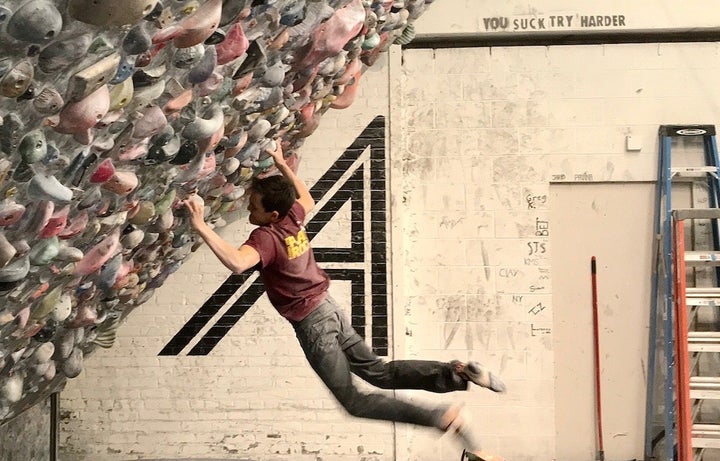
(304, 197)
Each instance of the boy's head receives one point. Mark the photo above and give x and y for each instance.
(270, 200)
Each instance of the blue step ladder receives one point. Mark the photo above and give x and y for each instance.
(684, 333)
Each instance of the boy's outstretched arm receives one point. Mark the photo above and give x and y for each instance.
(304, 196)
(236, 259)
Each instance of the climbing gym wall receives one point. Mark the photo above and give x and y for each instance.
(234, 382)
(475, 137)
(111, 114)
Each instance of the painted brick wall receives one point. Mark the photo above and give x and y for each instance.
(476, 137)
(486, 132)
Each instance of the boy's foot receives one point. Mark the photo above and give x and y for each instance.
(478, 374)
(480, 456)
(452, 420)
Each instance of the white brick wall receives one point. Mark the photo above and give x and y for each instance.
(477, 167)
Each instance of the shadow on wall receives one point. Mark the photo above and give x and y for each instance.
(111, 113)
(28, 437)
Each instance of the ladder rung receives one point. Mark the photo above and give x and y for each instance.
(700, 302)
(704, 387)
(702, 427)
(704, 341)
(696, 213)
(707, 381)
(692, 171)
(702, 292)
(705, 335)
(702, 296)
(702, 257)
(704, 394)
(705, 435)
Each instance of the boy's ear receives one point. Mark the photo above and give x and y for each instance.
(275, 216)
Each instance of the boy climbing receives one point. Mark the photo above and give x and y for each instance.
(297, 287)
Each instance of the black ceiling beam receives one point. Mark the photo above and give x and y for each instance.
(552, 38)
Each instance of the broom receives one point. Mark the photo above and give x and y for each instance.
(598, 400)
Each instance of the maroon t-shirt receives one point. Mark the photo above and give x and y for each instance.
(293, 281)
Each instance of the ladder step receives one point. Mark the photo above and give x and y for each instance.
(692, 171)
(708, 381)
(704, 387)
(701, 302)
(686, 130)
(705, 335)
(702, 296)
(702, 257)
(696, 213)
(704, 394)
(704, 341)
(705, 435)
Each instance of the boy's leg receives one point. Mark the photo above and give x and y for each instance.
(457, 423)
(478, 374)
(330, 343)
(428, 375)
(319, 340)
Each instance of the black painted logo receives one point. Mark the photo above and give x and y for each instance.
(344, 181)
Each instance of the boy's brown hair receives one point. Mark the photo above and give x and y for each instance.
(278, 194)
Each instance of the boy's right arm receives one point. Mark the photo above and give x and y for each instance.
(236, 259)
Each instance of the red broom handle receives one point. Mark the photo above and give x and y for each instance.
(596, 335)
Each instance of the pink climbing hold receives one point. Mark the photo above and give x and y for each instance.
(99, 254)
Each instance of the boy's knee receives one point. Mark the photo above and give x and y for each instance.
(354, 403)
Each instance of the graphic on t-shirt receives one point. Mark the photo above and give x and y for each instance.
(297, 246)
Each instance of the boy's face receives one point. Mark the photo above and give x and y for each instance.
(258, 215)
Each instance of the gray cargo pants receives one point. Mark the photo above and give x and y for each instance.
(335, 350)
